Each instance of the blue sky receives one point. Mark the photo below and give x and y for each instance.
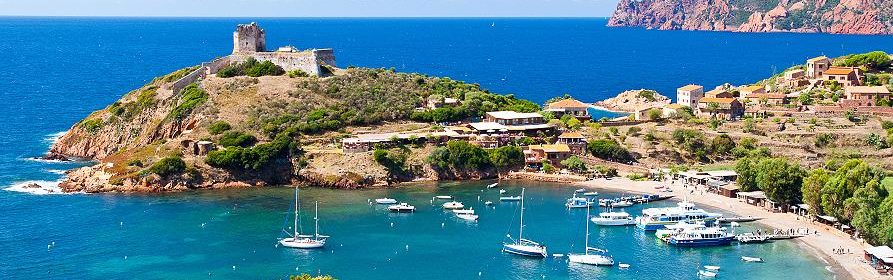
(311, 8)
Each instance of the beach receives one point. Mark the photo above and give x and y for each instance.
(823, 244)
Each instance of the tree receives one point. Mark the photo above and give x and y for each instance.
(573, 123)
(507, 157)
(780, 180)
(168, 166)
(574, 163)
(847, 179)
(655, 114)
(805, 98)
(547, 167)
(747, 173)
(866, 216)
(609, 150)
(722, 144)
(812, 190)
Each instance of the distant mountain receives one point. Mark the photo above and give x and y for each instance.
(827, 16)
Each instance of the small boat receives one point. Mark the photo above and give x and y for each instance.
(597, 256)
(737, 219)
(613, 219)
(751, 259)
(453, 205)
(621, 204)
(467, 216)
(711, 268)
(577, 202)
(523, 246)
(623, 265)
(590, 193)
(463, 211)
(488, 203)
(385, 200)
(580, 190)
(509, 198)
(501, 191)
(670, 230)
(300, 241)
(402, 207)
(443, 197)
(752, 238)
(706, 274)
(490, 186)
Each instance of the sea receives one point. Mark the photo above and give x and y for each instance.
(55, 71)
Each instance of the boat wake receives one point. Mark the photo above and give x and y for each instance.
(36, 187)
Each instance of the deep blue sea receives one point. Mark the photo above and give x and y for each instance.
(55, 71)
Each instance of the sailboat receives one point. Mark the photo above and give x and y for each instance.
(523, 246)
(300, 241)
(598, 256)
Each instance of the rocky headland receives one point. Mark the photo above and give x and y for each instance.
(841, 17)
(631, 100)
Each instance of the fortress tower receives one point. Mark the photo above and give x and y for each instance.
(249, 38)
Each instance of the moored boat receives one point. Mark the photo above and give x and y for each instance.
(402, 207)
(453, 205)
(467, 216)
(658, 218)
(385, 200)
(711, 267)
(706, 274)
(577, 202)
(509, 198)
(751, 259)
(613, 219)
(702, 237)
(592, 256)
(590, 193)
(490, 186)
(300, 241)
(523, 246)
(752, 238)
(443, 197)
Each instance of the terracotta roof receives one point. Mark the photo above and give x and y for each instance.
(839, 71)
(568, 103)
(571, 134)
(513, 115)
(767, 95)
(691, 88)
(674, 106)
(554, 148)
(752, 88)
(717, 100)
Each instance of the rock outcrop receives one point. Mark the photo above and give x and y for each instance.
(632, 100)
(841, 17)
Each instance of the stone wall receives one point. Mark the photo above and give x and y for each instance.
(308, 61)
(207, 68)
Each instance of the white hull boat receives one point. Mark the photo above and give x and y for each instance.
(300, 241)
(590, 193)
(711, 268)
(523, 246)
(592, 256)
(613, 219)
(443, 197)
(385, 201)
(463, 211)
(623, 266)
(467, 216)
(490, 186)
(453, 205)
(402, 207)
(706, 274)
(751, 259)
(509, 198)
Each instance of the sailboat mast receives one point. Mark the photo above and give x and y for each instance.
(521, 230)
(316, 219)
(586, 246)
(296, 214)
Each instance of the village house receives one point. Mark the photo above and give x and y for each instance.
(518, 122)
(535, 155)
(641, 114)
(719, 92)
(722, 108)
(434, 103)
(795, 78)
(747, 91)
(816, 67)
(866, 95)
(689, 95)
(845, 76)
(571, 107)
(768, 98)
(367, 142)
(575, 140)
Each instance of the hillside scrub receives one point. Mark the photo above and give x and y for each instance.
(191, 97)
(252, 68)
(168, 166)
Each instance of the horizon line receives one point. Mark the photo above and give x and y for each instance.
(302, 17)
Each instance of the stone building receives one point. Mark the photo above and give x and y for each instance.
(866, 95)
(574, 140)
(722, 108)
(535, 155)
(816, 67)
(249, 41)
(689, 95)
(571, 107)
(845, 76)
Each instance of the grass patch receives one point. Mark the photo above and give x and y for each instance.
(192, 97)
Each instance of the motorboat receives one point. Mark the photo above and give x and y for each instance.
(623, 266)
(702, 237)
(752, 238)
(592, 256)
(443, 197)
(488, 203)
(658, 218)
(613, 219)
(453, 205)
(621, 204)
(577, 202)
(751, 259)
(463, 211)
(615, 202)
(385, 200)
(509, 198)
(467, 216)
(706, 274)
(580, 191)
(523, 246)
(501, 191)
(299, 241)
(711, 268)
(590, 194)
(490, 186)
(402, 207)
(670, 230)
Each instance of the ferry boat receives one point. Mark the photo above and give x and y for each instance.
(613, 219)
(702, 237)
(670, 230)
(658, 218)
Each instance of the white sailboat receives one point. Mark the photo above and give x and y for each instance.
(598, 257)
(523, 246)
(300, 241)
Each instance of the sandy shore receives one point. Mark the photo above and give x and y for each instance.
(822, 244)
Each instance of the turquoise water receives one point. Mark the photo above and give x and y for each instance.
(206, 234)
(58, 70)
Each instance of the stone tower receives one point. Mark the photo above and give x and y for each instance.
(249, 38)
